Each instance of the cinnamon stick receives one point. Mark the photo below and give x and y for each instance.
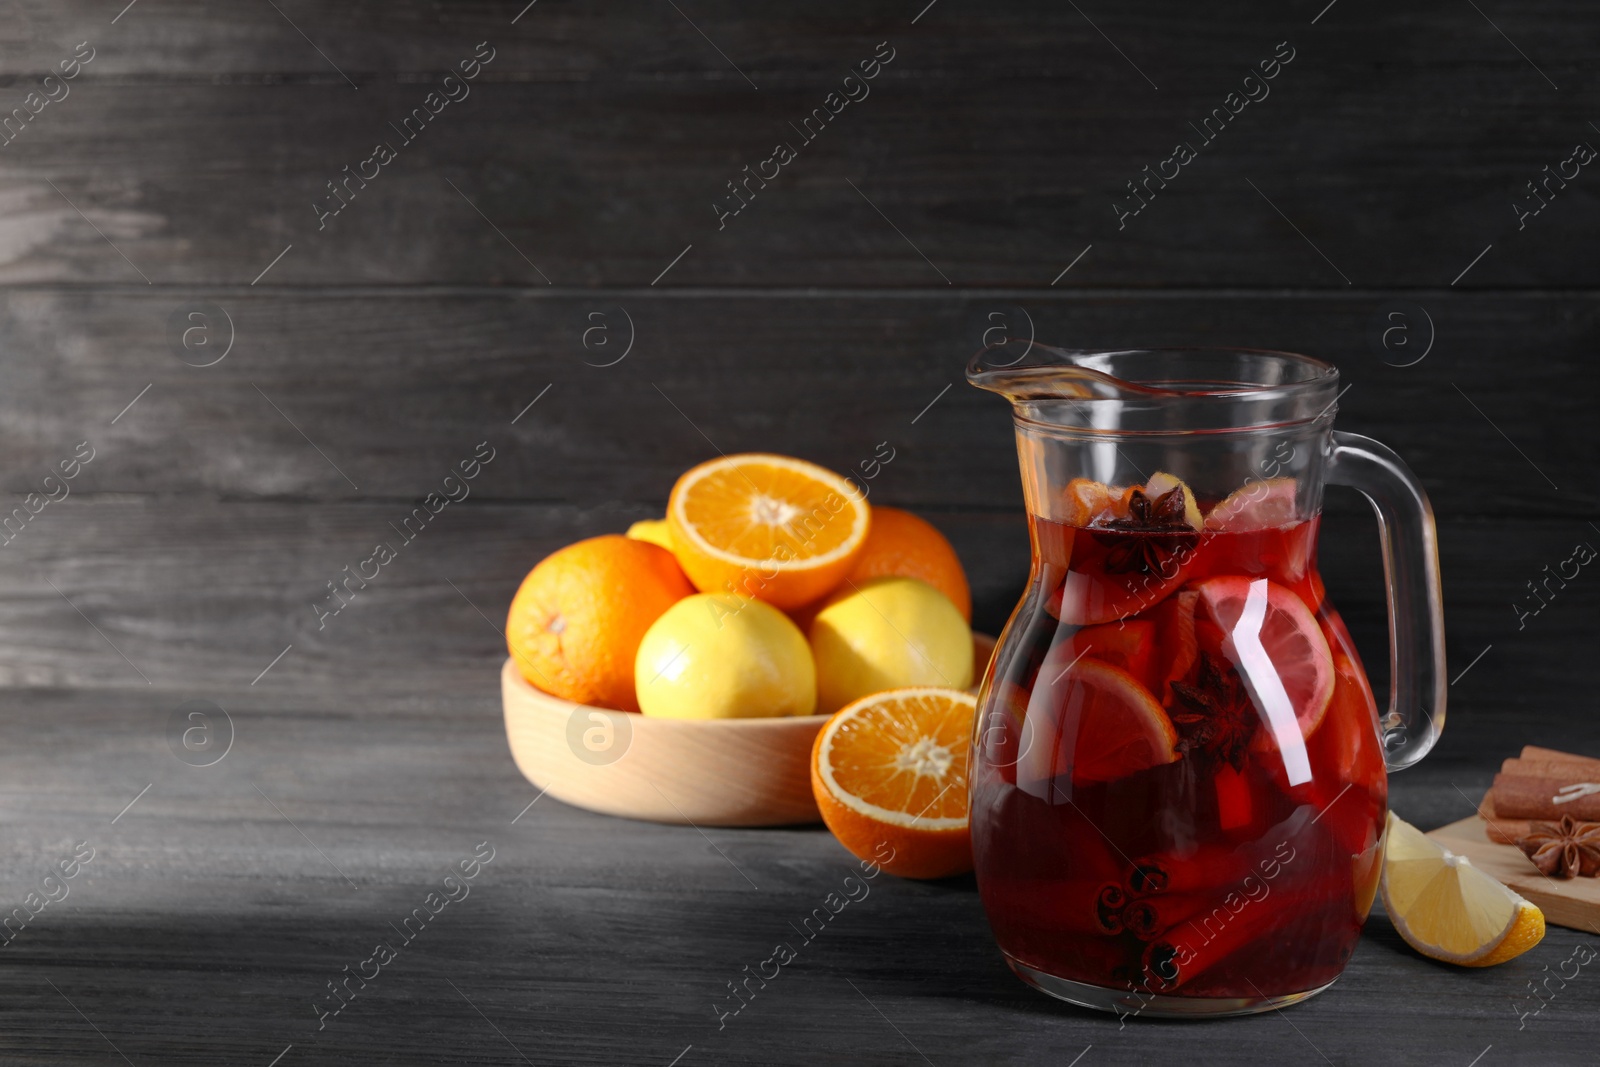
(1517, 797)
(1501, 831)
(1508, 831)
(1183, 954)
(1081, 909)
(1203, 941)
(1210, 869)
(1533, 752)
(1526, 788)
(1213, 868)
(1154, 916)
(1486, 806)
(1588, 770)
(1109, 905)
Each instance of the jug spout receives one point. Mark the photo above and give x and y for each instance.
(1155, 390)
(1022, 371)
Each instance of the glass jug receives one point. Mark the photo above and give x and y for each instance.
(1178, 783)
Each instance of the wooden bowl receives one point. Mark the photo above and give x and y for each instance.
(720, 772)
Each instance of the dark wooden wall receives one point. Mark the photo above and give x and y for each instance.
(578, 178)
(459, 283)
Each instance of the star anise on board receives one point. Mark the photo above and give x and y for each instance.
(1153, 531)
(1217, 719)
(1565, 849)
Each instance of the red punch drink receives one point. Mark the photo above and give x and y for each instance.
(1179, 787)
(1178, 783)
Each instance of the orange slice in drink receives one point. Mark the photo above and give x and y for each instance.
(1130, 645)
(1085, 500)
(1274, 642)
(1176, 645)
(1351, 741)
(1091, 594)
(1262, 505)
(890, 776)
(1096, 723)
(769, 527)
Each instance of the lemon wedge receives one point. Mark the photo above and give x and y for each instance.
(1447, 909)
(1162, 483)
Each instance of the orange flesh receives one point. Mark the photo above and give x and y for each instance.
(755, 508)
(1097, 723)
(1112, 742)
(906, 754)
(1288, 632)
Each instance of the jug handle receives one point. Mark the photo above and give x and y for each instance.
(1417, 669)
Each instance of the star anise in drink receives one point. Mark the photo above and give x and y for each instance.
(1565, 849)
(1217, 719)
(1153, 532)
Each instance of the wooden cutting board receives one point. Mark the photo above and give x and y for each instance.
(1571, 902)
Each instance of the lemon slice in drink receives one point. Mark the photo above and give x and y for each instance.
(1161, 483)
(1447, 909)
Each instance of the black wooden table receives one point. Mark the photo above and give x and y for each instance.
(256, 338)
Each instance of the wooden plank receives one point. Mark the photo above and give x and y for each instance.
(183, 143)
(206, 595)
(1570, 902)
(396, 387)
(168, 38)
(168, 586)
(207, 926)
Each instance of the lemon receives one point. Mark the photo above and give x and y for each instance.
(724, 657)
(1161, 483)
(885, 634)
(652, 530)
(1447, 909)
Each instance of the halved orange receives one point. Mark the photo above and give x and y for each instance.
(890, 776)
(770, 527)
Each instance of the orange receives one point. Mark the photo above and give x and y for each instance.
(576, 622)
(1097, 724)
(769, 527)
(902, 545)
(890, 776)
